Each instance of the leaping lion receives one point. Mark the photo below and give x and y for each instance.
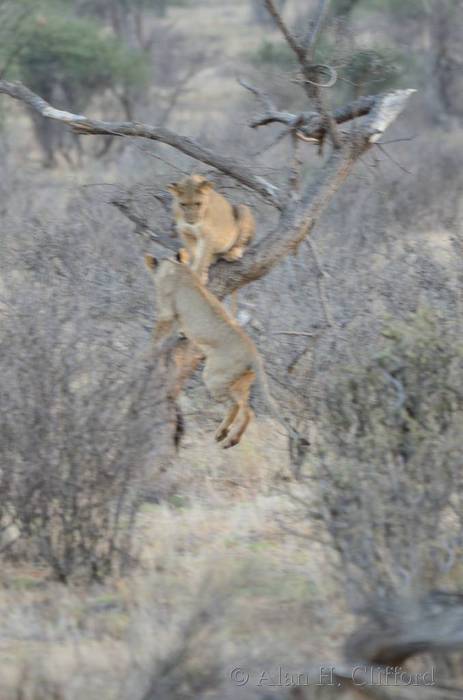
(232, 362)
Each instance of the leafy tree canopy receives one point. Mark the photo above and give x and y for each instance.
(52, 48)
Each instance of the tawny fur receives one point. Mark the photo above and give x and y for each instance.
(209, 226)
(231, 358)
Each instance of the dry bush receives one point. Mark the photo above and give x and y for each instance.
(384, 496)
(81, 410)
(73, 440)
(388, 473)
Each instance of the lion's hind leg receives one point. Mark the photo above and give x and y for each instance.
(246, 231)
(222, 430)
(239, 392)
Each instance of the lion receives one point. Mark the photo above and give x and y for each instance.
(208, 224)
(232, 362)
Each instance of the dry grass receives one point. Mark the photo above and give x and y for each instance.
(228, 555)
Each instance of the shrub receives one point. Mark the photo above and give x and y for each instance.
(388, 473)
(80, 403)
(74, 436)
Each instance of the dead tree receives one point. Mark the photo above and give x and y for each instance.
(299, 205)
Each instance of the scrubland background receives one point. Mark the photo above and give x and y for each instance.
(127, 572)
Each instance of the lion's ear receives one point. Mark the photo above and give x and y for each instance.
(173, 188)
(151, 262)
(205, 186)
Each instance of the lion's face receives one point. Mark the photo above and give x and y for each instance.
(192, 197)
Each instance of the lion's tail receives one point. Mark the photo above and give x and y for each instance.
(262, 381)
(298, 445)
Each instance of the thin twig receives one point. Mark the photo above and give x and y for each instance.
(147, 152)
(261, 96)
(306, 334)
(293, 44)
(294, 180)
(393, 160)
(405, 138)
(282, 135)
(98, 184)
(321, 284)
(177, 92)
(315, 28)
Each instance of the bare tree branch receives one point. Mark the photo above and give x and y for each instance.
(294, 45)
(306, 334)
(385, 111)
(261, 96)
(294, 179)
(311, 124)
(295, 223)
(177, 92)
(315, 28)
(143, 226)
(393, 160)
(321, 276)
(82, 125)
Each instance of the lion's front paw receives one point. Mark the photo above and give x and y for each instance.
(234, 254)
